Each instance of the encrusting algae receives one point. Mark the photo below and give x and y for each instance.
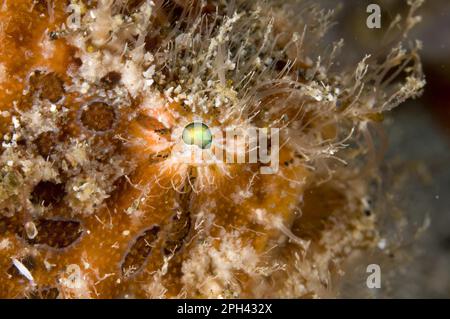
(94, 99)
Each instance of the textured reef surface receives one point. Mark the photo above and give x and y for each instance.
(96, 200)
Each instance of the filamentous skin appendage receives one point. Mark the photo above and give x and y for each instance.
(95, 96)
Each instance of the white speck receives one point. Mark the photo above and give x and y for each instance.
(16, 122)
(382, 243)
(84, 88)
(5, 244)
(23, 270)
(126, 232)
(31, 230)
(48, 265)
(149, 73)
(149, 83)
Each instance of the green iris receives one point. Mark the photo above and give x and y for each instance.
(198, 134)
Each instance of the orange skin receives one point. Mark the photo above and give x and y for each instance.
(109, 232)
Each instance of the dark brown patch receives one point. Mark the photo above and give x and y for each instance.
(139, 251)
(209, 8)
(40, 6)
(49, 85)
(45, 143)
(8, 225)
(319, 203)
(47, 193)
(55, 233)
(98, 116)
(152, 42)
(111, 79)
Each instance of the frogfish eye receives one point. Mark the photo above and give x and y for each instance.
(199, 134)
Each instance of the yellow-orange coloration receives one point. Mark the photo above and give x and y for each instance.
(148, 232)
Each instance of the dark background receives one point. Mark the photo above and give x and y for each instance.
(416, 169)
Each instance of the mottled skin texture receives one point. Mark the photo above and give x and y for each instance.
(105, 237)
